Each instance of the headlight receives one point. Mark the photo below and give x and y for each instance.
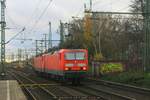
(84, 68)
(81, 64)
(69, 65)
(66, 68)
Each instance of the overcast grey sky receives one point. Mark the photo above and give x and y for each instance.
(25, 13)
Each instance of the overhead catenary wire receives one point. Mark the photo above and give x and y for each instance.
(77, 14)
(37, 21)
(96, 2)
(30, 20)
(126, 7)
(15, 36)
(43, 12)
(33, 13)
(11, 22)
(105, 4)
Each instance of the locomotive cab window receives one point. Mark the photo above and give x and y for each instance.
(75, 56)
(80, 56)
(69, 56)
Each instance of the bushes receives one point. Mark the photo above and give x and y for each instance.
(111, 68)
(140, 79)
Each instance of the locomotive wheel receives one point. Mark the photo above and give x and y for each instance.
(76, 81)
(63, 82)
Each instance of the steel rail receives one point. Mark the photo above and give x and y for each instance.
(106, 95)
(113, 95)
(41, 87)
(102, 94)
(123, 89)
(123, 86)
(66, 92)
(26, 89)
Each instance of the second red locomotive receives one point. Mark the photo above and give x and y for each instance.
(65, 64)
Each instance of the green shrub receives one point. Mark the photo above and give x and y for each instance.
(140, 79)
(111, 68)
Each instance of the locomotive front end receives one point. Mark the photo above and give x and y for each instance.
(75, 64)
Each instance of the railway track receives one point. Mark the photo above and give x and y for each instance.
(101, 93)
(94, 94)
(63, 92)
(49, 91)
(33, 92)
(90, 94)
(123, 89)
(93, 91)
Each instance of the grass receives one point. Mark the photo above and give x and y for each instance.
(140, 79)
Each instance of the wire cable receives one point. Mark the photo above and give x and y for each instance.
(79, 11)
(104, 4)
(15, 36)
(33, 13)
(12, 21)
(37, 21)
(123, 8)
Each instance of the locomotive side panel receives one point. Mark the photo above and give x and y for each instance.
(38, 64)
(69, 64)
(52, 64)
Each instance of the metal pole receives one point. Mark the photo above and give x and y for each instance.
(61, 32)
(147, 36)
(3, 25)
(12, 57)
(90, 5)
(45, 42)
(41, 46)
(50, 36)
(120, 13)
(36, 43)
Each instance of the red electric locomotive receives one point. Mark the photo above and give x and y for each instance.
(66, 64)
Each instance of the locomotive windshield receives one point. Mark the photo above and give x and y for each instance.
(69, 56)
(75, 56)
